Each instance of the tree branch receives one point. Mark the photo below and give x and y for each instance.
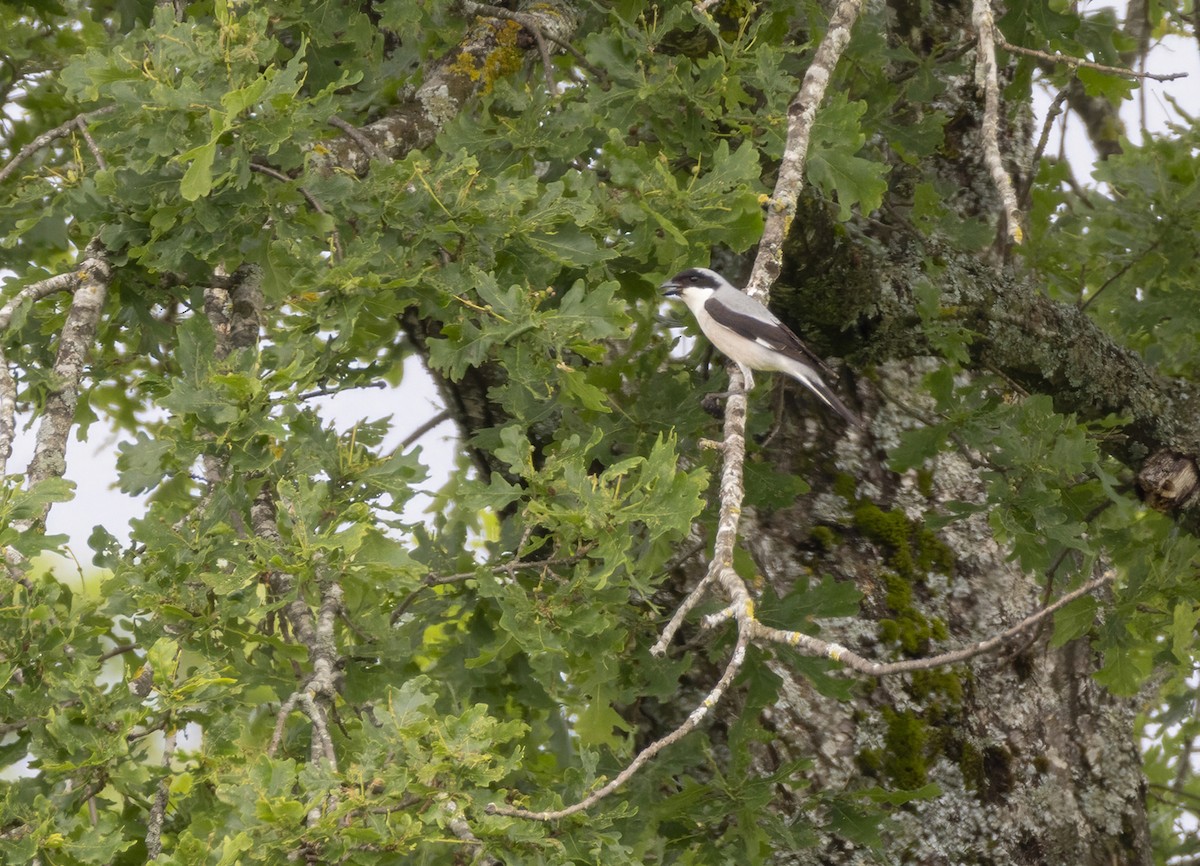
(509, 567)
(802, 113)
(532, 24)
(814, 646)
(8, 386)
(1052, 113)
(460, 828)
(643, 757)
(1077, 63)
(436, 420)
(313, 201)
(330, 390)
(158, 812)
(321, 687)
(525, 20)
(75, 123)
(87, 304)
(447, 84)
(97, 154)
(368, 147)
(987, 75)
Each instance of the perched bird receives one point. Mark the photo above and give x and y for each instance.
(750, 334)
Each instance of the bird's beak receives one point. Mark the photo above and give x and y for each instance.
(669, 288)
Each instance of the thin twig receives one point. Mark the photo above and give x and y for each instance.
(987, 76)
(116, 651)
(643, 757)
(964, 450)
(817, 647)
(442, 580)
(1124, 270)
(338, 389)
(435, 421)
(138, 733)
(1077, 63)
(81, 124)
(1052, 113)
(312, 200)
(685, 607)
(49, 136)
(1034, 635)
(285, 710)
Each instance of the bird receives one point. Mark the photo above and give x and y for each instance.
(750, 335)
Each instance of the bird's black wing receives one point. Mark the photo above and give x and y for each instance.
(774, 334)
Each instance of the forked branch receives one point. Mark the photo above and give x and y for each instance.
(801, 116)
(740, 607)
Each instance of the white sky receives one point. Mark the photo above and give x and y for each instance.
(92, 465)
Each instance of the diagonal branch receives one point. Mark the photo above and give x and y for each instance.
(816, 647)
(368, 147)
(643, 757)
(64, 129)
(1077, 63)
(91, 290)
(1052, 113)
(802, 114)
(81, 125)
(504, 567)
(313, 202)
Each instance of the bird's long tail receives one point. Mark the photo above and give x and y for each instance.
(809, 378)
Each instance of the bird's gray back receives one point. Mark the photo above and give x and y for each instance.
(740, 302)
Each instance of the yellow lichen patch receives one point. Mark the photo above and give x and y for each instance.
(505, 58)
(464, 64)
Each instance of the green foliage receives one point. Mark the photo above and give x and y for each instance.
(498, 652)
(833, 166)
